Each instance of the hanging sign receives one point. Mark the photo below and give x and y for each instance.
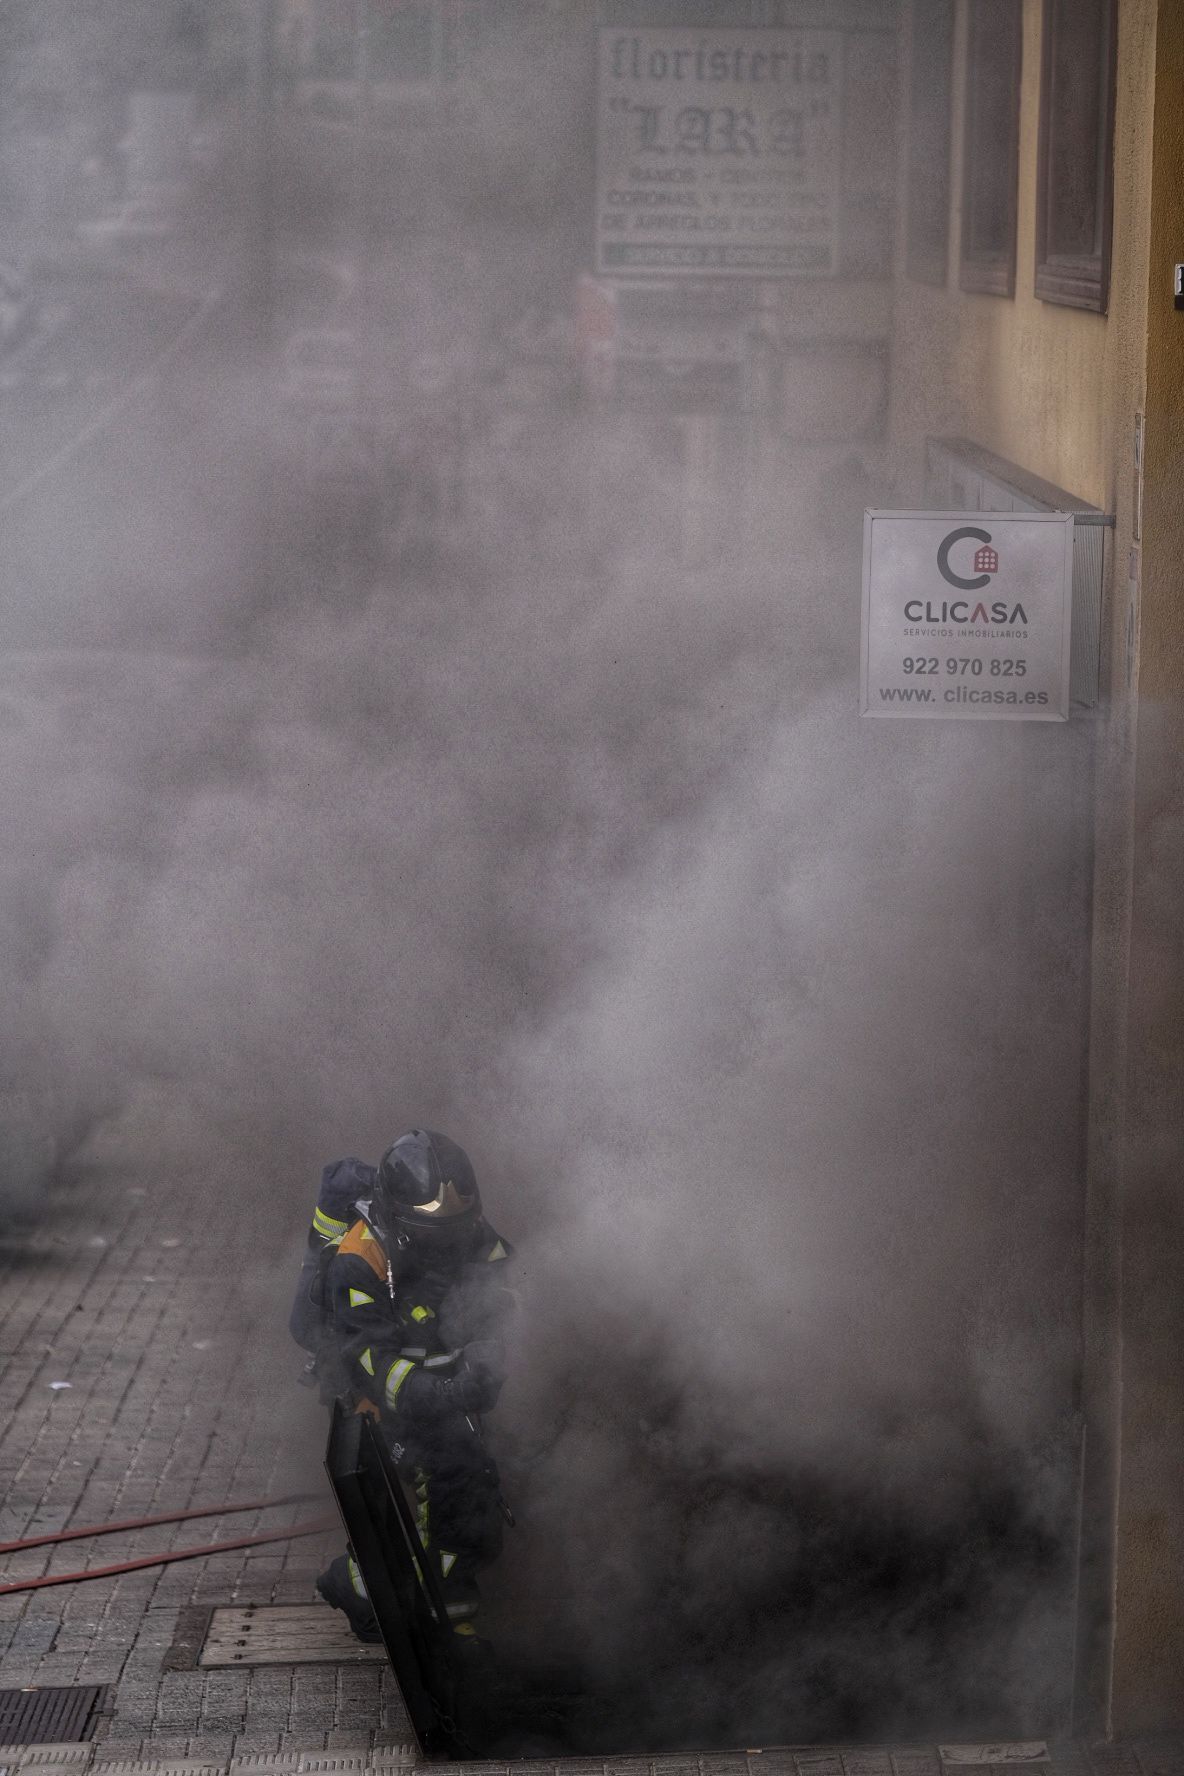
(967, 614)
(717, 151)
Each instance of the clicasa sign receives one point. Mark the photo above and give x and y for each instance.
(967, 615)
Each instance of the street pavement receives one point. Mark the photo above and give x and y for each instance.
(180, 1391)
(1150, 1757)
(93, 332)
(135, 1291)
(120, 460)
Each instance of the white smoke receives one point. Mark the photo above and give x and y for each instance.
(755, 1019)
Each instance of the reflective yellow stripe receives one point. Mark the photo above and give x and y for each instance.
(356, 1580)
(359, 1298)
(396, 1375)
(327, 1227)
(422, 1313)
(464, 1628)
(499, 1251)
(447, 1562)
(367, 1361)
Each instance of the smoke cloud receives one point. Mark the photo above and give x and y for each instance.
(761, 1024)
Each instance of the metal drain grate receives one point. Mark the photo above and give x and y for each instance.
(1011, 1751)
(48, 1717)
(283, 1634)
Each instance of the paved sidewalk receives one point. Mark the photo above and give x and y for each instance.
(181, 1391)
(1146, 1757)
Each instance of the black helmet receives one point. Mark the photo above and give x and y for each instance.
(426, 1190)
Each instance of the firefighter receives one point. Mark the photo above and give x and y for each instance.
(415, 1300)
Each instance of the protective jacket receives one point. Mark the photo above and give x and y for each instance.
(417, 1338)
(411, 1333)
(415, 1341)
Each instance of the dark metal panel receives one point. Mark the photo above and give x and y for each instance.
(381, 1529)
(49, 1716)
(463, 1702)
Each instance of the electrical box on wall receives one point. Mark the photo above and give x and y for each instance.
(962, 476)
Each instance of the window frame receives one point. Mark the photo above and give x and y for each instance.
(990, 273)
(1076, 280)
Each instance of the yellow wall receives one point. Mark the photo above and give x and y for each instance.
(1057, 391)
(1046, 386)
(1148, 1670)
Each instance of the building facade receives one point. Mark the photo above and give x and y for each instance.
(1079, 378)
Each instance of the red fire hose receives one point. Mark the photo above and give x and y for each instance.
(315, 1526)
(106, 1529)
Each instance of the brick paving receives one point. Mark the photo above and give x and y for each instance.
(182, 1392)
(1163, 1756)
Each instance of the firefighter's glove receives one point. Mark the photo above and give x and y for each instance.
(479, 1379)
(433, 1398)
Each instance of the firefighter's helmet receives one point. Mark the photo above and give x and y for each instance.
(426, 1190)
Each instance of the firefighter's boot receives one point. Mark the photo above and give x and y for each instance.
(341, 1584)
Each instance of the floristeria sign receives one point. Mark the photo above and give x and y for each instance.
(718, 152)
(967, 615)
